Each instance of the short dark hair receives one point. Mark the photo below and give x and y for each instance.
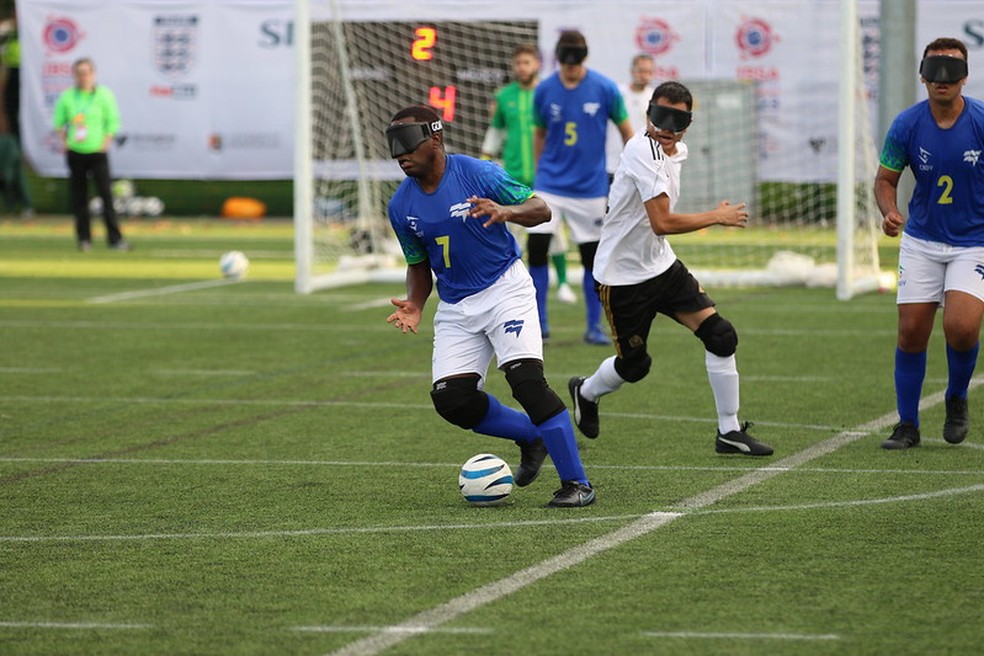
(526, 49)
(418, 113)
(642, 56)
(946, 43)
(675, 92)
(572, 38)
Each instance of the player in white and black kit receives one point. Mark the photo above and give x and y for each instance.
(639, 276)
(449, 215)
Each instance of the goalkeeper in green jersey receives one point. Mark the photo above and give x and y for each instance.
(510, 134)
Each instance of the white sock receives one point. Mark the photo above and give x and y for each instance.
(603, 381)
(723, 376)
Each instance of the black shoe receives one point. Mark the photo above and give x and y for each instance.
(532, 455)
(739, 441)
(585, 411)
(956, 424)
(905, 435)
(572, 495)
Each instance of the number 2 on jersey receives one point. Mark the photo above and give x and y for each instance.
(946, 182)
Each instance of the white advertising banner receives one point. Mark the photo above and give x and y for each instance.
(207, 88)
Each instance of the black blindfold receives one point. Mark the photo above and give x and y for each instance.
(405, 138)
(669, 118)
(943, 70)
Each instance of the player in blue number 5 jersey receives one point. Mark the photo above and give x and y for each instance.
(449, 216)
(941, 256)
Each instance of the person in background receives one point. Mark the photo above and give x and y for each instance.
(636, 95)
(510, 133)
(449, 216)
(12, 174)
(86, 117)
(572, 109)
(639, 276)
(941, 254)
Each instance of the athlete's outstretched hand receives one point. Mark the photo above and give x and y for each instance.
(406, 317)
(732, 215)
(486, 207)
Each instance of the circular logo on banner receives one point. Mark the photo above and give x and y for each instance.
(60, 34)
(654, 36)
(755, 37)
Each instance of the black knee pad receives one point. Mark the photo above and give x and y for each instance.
(538, 249)
(718, 335)
(460, 401)
(635, 368)
(530, 389)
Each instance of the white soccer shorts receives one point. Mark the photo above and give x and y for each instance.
(929, 269)
(582, 215)
(501, 321)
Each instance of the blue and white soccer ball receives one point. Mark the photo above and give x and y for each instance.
(485, 480)
(233, 264)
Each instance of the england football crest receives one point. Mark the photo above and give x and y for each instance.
(175, 44)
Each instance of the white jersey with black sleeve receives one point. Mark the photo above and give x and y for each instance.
(629, 252)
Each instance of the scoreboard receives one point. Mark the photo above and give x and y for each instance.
(454, 67)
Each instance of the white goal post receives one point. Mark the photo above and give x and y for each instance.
(814, 220)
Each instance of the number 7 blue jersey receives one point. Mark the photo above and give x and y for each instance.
(465, 257)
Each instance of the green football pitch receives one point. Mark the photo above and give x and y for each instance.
(195, 466)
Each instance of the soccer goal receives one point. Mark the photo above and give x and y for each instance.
(355, 68)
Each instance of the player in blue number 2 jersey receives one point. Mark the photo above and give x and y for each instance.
(449, 215)
(941, 256)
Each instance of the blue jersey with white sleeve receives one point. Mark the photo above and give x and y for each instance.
(948, 200)
(573, 159)
(465, 257)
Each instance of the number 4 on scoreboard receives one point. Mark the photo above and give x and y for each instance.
(444, 100)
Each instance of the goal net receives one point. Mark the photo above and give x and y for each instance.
(355, 71)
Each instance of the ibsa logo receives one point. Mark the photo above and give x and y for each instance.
(654, 36)
(755, 37)
(60, 34)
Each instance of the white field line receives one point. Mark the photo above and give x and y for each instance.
(390, 464)
(351, 530)
(160, 291)
(451, 610)
(739, 636)
(350, 404)
(407, 629)
(73, 625)
(362, 530)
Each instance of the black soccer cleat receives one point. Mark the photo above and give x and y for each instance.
(585, 412)
(572, 495)
(957, 423)
(905, 435)
(532, 455)
(740, 442)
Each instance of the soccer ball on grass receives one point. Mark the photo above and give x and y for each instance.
(485, 480)
(233, 265)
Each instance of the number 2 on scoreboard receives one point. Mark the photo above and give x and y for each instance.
(422, 45)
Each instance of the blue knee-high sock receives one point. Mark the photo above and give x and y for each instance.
(910, 370)
(591, 302)
(503, 421)
(558, 436)
(541, 280)
(961, 367)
